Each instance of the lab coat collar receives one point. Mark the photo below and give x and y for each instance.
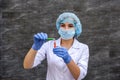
(75, 43)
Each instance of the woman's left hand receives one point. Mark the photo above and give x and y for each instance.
(63, 53)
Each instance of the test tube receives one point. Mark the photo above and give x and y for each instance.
(54, 44)
(54, 41)
(50, 39)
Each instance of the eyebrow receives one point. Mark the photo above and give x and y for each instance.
(69, 24)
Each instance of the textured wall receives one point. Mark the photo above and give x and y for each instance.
(21, 19)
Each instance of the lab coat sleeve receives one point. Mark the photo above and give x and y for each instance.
(40, 55)
(83, 62)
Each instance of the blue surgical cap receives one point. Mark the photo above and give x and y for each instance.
(72, 18)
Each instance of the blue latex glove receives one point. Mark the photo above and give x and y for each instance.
(39, 39)
(63, 53)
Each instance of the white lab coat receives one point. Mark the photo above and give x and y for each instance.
(57, 69)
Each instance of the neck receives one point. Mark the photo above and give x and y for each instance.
(67, 43)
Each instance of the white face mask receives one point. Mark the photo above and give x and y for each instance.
(66, 34)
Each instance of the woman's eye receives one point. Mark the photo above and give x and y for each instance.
(71, 26)
(62, 25)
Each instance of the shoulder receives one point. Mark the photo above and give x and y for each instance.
(83, 47)
(80, 44)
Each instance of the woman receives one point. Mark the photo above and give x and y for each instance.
(67, 58)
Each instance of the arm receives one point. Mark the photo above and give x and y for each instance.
(39, 39)
(29, 59)
(78, 70)
(63, 53)
(74, 69)
(83, 62)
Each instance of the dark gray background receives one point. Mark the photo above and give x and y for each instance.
(21, 19)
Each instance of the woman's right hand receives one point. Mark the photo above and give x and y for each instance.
(39, 39)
